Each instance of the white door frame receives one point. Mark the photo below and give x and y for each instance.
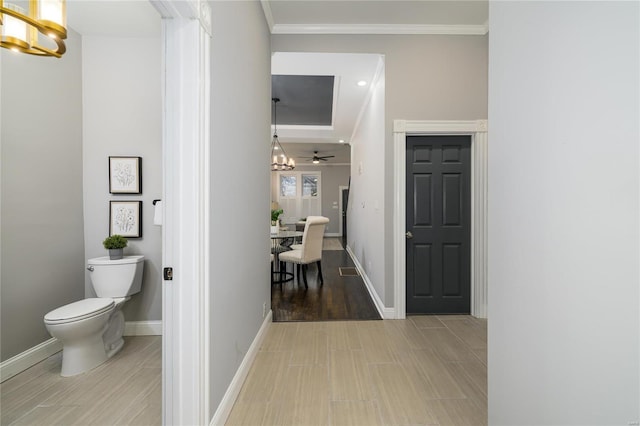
(477, 129)
(185, 232)
(340, 206)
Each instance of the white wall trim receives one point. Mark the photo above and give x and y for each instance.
(143, 328)
(185, 235)
(398, 29)
(44, 350)
(224, 409)
(29, 358)
(268, 14)
(477, 129)
(385, 313)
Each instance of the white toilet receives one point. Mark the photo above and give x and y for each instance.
(91, 329)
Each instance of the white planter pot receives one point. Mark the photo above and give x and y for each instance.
(275, 229)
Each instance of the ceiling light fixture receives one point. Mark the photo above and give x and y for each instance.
(280, 161)
(362, 83)
(341, 141)
(45, 21)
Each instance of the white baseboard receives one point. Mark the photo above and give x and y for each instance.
(28, 358)
(386, 313)
(143, 328)
(44, 350)
(224, 409)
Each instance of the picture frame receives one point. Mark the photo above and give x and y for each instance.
(125, 218)
(125, 175)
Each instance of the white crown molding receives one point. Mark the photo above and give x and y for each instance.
(381, 29)
(205, 17)
(268, 14)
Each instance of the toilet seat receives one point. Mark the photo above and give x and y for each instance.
(79, 310)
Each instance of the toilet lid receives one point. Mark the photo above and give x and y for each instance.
(81, 309)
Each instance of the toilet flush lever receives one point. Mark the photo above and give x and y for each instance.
(90, 268)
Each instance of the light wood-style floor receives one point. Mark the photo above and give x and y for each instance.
(426, 370)
(125, 390)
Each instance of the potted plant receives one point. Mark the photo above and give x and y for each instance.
(275, 214)
(115, 244)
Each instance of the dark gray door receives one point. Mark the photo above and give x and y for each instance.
(438, 224)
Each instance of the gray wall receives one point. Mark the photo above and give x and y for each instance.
(240, 122)
(332, 178)
(427, 78)
(42, 235)
(365, 213)
(123, 116)
(563, 213)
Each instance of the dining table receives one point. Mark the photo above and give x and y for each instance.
(281, 242)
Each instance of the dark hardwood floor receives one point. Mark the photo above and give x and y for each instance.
(340, 298)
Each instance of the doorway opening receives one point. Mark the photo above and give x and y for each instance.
(321, 113)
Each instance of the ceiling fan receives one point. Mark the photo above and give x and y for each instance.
(317, 158)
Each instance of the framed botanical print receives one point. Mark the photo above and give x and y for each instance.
(125, 218)
(125, 175)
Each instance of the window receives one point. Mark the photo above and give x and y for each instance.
(299, 195)
(310, 185)
(288, 184)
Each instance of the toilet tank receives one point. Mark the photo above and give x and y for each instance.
(116, 278)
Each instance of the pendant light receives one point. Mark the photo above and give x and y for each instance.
(40, 31)
(279, 157)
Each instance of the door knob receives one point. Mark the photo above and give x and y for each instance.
(409, 235)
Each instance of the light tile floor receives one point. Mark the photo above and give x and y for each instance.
(426, 370)
(125, 390)
(423, 370)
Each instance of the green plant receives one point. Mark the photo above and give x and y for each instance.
(114, 242)
(274, 215)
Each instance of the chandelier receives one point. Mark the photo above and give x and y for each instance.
(278, 155)
(25, 32)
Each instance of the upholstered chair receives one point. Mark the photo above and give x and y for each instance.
(311, 248)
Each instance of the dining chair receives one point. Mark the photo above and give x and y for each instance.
(310, 250)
